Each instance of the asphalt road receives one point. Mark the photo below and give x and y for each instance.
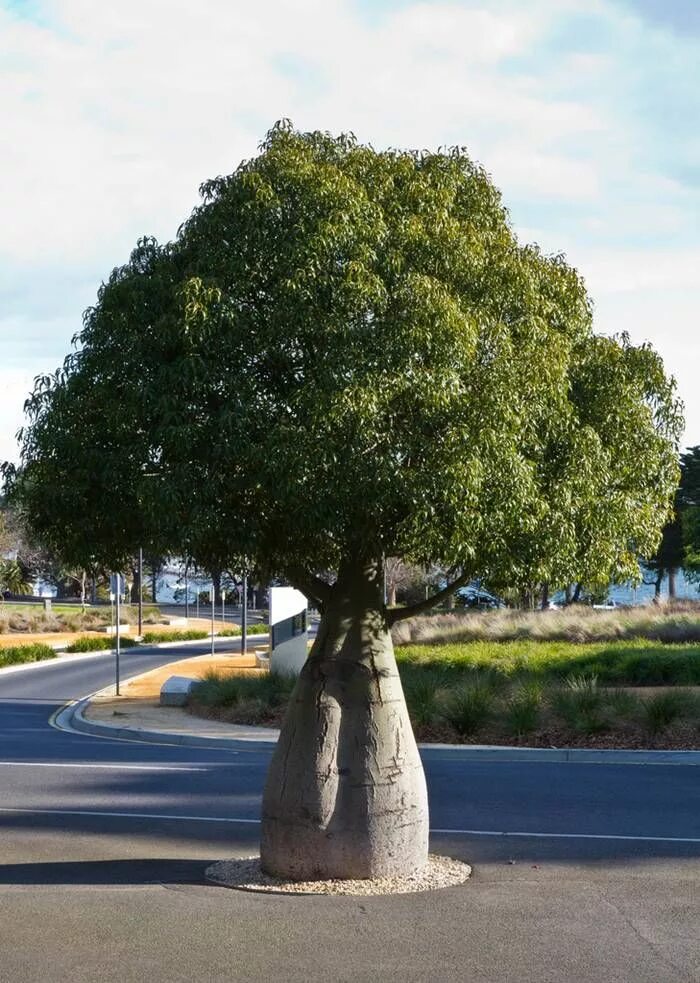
(581, 872)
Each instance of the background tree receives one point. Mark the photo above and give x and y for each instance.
(680, 541)
(347, 355)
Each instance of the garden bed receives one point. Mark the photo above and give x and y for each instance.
(615, 695)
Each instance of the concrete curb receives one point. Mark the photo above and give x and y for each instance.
(71, 718)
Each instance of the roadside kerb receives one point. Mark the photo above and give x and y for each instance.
(71, 717)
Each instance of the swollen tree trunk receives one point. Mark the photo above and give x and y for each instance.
(345, 795)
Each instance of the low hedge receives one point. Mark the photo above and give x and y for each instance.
(189, 635)
(18, 654)
(235, 631)
(89, 643)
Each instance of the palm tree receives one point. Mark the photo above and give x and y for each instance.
(13, 578)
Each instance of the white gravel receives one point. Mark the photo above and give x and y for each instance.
(247, 875)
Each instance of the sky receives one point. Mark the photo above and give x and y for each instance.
(583, 111)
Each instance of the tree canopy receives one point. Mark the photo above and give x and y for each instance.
(347, 352)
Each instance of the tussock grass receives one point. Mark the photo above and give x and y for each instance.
(469, 708)
(677, 621)
(664, 709)
(523, 709)
(269, 690)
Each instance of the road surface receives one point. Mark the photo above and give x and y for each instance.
(581, 872)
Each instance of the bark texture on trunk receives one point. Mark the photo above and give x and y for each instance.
(345, 795)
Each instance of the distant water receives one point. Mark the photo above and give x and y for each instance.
(644, 593)
(627, 594)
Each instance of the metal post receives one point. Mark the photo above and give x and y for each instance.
(116, 651)
(244, 614)
(140, 590)
(223, 609)
(213, 613)
(187, 594)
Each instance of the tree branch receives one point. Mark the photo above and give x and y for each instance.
(316, 590)
(399, 614)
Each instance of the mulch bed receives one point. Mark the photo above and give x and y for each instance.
(680, 737)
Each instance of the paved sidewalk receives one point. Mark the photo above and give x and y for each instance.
(138, 708)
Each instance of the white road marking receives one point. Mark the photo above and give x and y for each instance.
(127, 815)
(569, 836)
(256, 822)
(113, 767)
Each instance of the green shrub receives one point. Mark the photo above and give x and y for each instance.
(88, 643)
(18, 654)
(189, 635)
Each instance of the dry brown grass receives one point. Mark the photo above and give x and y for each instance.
(676, 621)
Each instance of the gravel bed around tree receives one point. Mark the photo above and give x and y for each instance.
(247, 875)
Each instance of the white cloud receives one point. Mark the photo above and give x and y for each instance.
(112, 115)
(15, 386)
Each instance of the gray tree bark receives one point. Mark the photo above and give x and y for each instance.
(345, 795)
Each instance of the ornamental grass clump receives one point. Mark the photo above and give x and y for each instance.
(471, 707)
(580, 704)
(523, 709)
(663, 710)
(423, 689)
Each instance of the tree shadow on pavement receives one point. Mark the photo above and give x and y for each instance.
(106, 872)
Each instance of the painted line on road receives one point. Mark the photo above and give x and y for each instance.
(568, 836)
(256, 822)
(127, 815)
(112, 767)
